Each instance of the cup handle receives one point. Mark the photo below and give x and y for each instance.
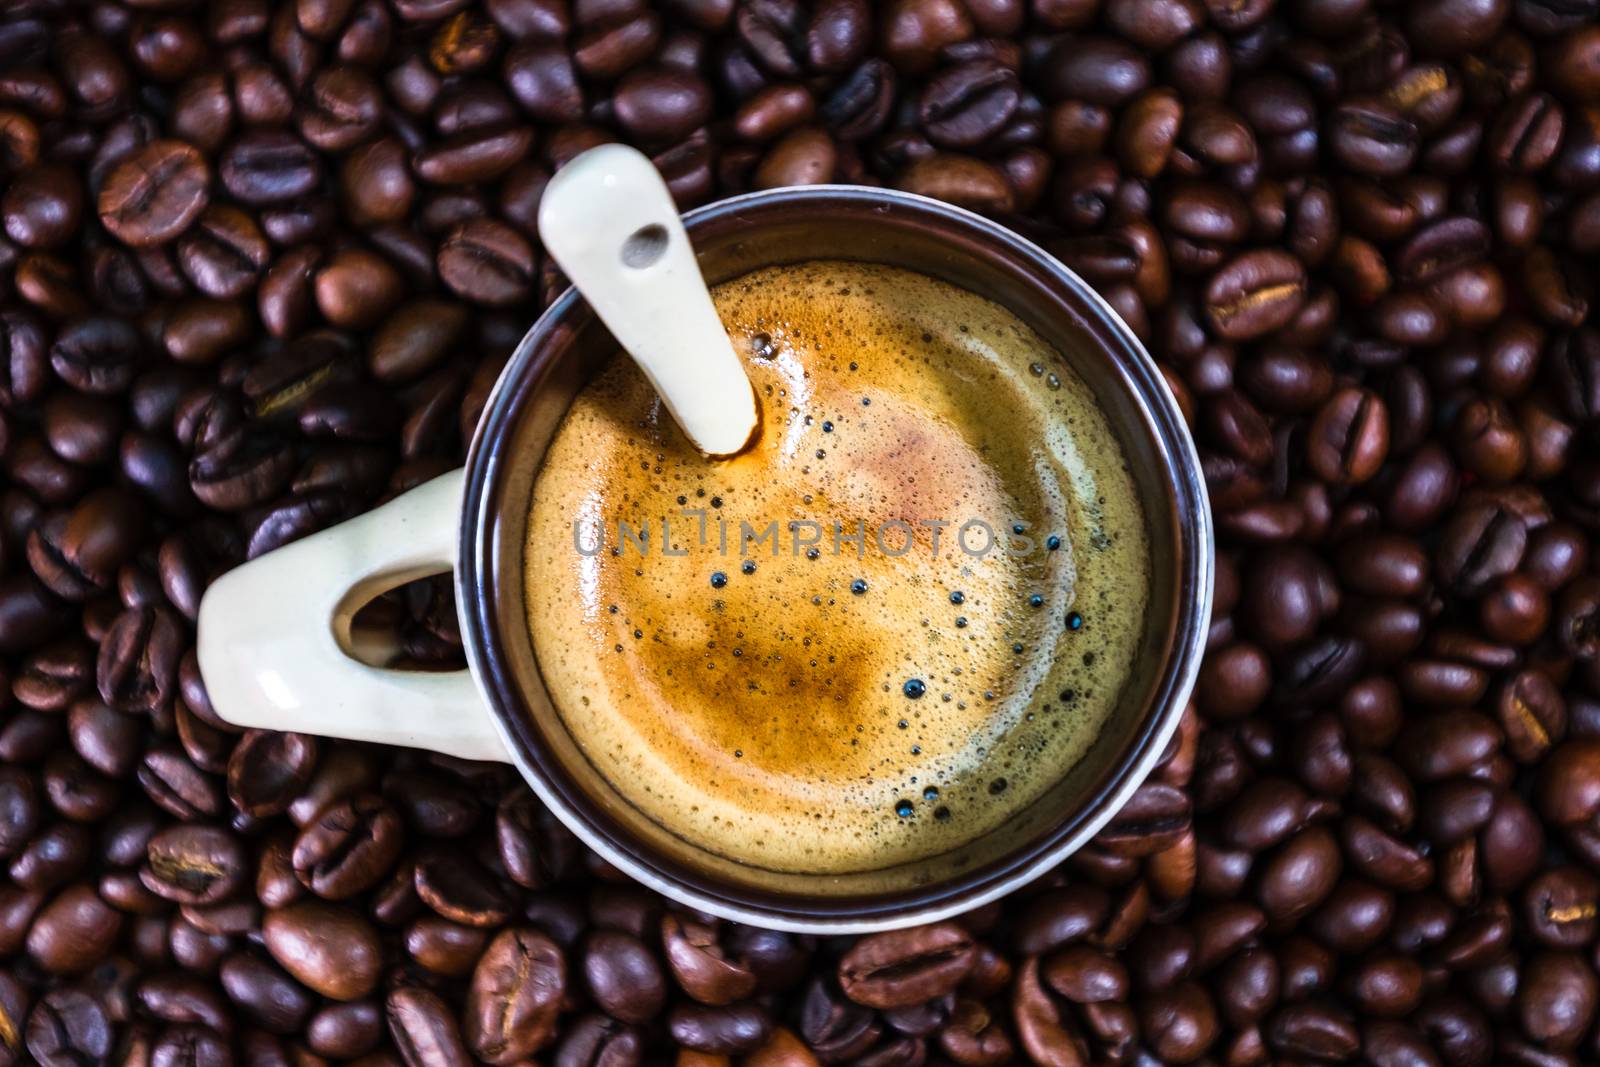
(273, 634)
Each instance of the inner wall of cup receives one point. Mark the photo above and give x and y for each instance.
(729, 246)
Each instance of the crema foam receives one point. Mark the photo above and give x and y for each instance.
(766, 654)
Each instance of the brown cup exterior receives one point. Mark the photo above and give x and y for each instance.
(732, 237)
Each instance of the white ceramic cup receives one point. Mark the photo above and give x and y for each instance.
(277, 650)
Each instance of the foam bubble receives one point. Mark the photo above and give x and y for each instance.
(771, 715)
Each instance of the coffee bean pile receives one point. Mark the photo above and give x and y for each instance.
(261, 262)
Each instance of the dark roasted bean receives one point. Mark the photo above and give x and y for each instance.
(425, 1028)
(154, 195)
(901, 968)
(516, 992)
(461, 891)
(68, 1027)
(73, 931)
(1254, 294)
(194, 865)
(486, 262)
(327, 947)
(967, 105)
(268, 166)
(962, 180)
(597, 1039)
(224, 252)
(348, 848)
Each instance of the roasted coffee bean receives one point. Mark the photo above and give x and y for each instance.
(1372, 138)
(806, 156)
(356, 288)
(24, 348)
(542, 78)
(68, 1027)
(194, 865)
(105, 739)
(348, 848)
(223, 253)
(914, 33)
(172, 781)
(1040, 1026)
(1557, 288)
(479, 154)
(597, 1039)
(14, 1003)
(730, 1030)
(1180, 1022)
(1561, 906)
(345, 1030)
(152, 196)
(1312, 1029)
(1532, 713)
(189, 1044)
(1153, 820)
(328, 948)
(42, 206)
(533, 847)
(444, 947)
(461, 891)
(199, 331)
(269, 166)
(424, 1028)
(53, 857)
(962, 180)
(860, 105)
(623, 976)
(967, 105)
(661, 105)
(774, 111)
(97, 355)
(1482, 542)
(1099, 70)
(700, 966)
(342, 109)
(1255, 294)
(1349, 439)
(613, 43)
(897, 969)
(54, 676)
(837, 35)
(1556, 999)
(284, 298)
(516, 992)
(265, 995)
(73, 931)
(236, 477)
(415, 339)
(376, 182)
(139, 659)
(486, 262)
(266, 771)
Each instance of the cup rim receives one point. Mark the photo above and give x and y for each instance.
(1193, 581)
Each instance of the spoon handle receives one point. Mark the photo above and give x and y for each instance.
(611, 225)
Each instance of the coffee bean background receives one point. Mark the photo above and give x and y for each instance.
(262, 260)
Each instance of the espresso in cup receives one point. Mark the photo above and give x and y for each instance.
(892, 622)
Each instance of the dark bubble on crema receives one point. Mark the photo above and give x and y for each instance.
(902, 704)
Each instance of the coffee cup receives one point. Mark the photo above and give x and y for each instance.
(278, 648)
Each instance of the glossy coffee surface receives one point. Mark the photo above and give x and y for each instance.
(799, 678)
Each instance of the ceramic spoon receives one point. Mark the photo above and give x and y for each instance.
(611, 225)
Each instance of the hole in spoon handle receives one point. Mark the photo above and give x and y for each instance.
(611, 225)
(645, 246)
